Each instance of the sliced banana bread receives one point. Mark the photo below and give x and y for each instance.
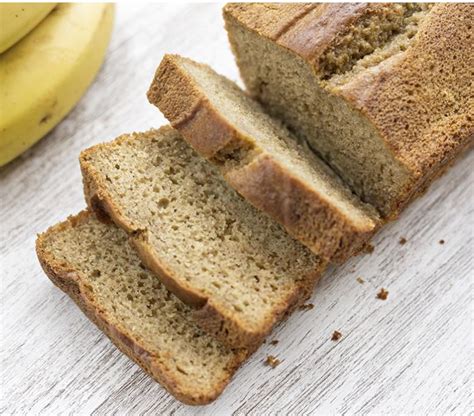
(261, 159)
(240, 270)
(382, 92)
(94, 264)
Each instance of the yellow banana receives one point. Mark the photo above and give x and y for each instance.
(44, 75)
(18, 19)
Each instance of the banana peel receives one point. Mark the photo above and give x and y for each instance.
(18, 19)
(44, 75)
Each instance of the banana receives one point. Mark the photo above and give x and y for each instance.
(18, 19)
(45, 74)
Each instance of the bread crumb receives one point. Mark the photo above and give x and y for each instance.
(441, 241)
(360, 280)
(369, 248)
(307, 307)
(336, 336)
(274, 342)
(383, 294)
(403, 241)
(272, 361)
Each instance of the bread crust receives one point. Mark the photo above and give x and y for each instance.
(69, 281)
(257, 176)
(211, 316)
(305, 28)
(408, 99)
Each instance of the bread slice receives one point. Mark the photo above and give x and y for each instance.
(261, 159)
(382, 92)
(234, 265)
(94, 264)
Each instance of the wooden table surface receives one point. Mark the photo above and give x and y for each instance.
(409, 354)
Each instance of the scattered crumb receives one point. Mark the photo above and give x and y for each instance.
(272, 361)
(383, 294)
(360, 280)
(369, 248)
(403, 240)
(274, 342)
(336, 336)
(307, 307)
(441, 241)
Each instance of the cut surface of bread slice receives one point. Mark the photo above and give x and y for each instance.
(261, 159)
(240, 270)
(382, 92)
(96, 266)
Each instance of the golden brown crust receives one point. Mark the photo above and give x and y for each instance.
(145, 251)
(275, 191)
(421, 101)
(69, 281)
(214, 318)
(272, 19)
(259, 177)
(305, 28)
(188, 108)
(210, 316)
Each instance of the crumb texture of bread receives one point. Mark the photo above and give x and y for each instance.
(94, 263)
(382, 92)
(261, 159)
(240, 270)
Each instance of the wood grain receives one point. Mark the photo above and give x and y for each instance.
(410, 354)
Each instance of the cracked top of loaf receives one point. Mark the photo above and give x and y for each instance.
(407, 67)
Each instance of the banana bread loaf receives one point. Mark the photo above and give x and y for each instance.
(382, 92)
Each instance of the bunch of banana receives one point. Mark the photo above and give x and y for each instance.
(45, 73)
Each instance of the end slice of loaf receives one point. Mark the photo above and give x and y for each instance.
(94, 264)
(239, 270)
(261, 159)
